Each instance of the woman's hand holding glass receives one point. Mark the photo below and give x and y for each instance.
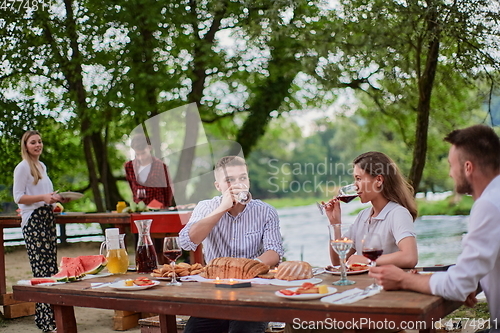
(333, 211)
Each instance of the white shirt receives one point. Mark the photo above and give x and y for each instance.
(480, 257)
(393, 223)
(247, 235)
(23, 185)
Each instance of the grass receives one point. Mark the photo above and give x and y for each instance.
(453, 205)
(479, 311)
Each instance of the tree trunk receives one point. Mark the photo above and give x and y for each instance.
(283, 68)
(202, 50)
(73, 74)
(425, 86)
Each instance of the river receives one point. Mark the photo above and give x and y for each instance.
(305, 234)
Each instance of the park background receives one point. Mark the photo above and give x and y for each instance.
(302, 86)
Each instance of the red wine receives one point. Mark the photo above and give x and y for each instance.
(372, 254)
(347, 198)
(172, 255)
(145, 259)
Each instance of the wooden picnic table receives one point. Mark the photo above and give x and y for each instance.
(257, 303)
(164, 223)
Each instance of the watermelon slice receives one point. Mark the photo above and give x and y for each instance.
(35, 281)
(155, 205)
(93, 264)
(72, 269)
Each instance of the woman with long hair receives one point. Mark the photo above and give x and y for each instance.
(34, 193)
(393, 211)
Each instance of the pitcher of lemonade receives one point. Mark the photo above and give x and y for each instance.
(113, 248)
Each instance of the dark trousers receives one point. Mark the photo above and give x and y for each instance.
(208, 325)
(41, 244)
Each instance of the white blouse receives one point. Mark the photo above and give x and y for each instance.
(23, 185)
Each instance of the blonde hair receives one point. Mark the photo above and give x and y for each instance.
(395, 187)
(228, 161)
(35, 171)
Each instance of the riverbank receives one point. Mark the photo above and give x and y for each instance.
(450, 205)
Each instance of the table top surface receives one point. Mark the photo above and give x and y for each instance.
(258, 302)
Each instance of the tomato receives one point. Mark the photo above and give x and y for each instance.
(287, 292)
(143, 281)
(307, 285)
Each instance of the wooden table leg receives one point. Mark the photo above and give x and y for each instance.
(168, 324)
(65, 319)
(3, 285)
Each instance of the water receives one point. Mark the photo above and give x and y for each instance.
(305, 234)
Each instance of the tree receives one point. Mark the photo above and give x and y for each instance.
(399, 53)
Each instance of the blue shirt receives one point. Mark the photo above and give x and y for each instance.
(248, 235)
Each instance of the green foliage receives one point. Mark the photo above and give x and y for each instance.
(453, 205)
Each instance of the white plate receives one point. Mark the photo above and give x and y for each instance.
(120, 285)
(71, 195)
(304, 297)
(294, 283)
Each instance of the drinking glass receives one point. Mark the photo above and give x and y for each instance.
(141, 193)
(244, 196)
(372, 249)
(172, 251)
(346, 194)
(341, 246)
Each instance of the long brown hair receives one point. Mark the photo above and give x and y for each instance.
(35, 171)
(395, 187)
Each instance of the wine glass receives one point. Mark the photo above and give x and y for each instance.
(346, 194)
(372, 249)
(244, 196)
(341, 246)
(141, 193)
(172, 251)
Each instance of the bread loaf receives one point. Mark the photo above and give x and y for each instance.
(234, 268)
(294, 270)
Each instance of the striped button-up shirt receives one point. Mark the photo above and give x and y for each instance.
(248, 235)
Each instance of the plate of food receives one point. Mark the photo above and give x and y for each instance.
(294, 283)
(306, 291)
(137, 284)
(71, 195)
(355, 268)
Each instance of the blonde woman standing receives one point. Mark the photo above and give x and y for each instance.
(34, 194)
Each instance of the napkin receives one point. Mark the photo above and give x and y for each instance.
(197, 278)
(349, 296)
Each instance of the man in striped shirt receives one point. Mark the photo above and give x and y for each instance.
(228, 228)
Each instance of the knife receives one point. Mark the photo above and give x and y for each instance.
(348, 296)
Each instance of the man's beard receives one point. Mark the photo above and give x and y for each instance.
(462, 185)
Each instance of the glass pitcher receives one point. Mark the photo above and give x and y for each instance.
(145, 254)
(113, 248)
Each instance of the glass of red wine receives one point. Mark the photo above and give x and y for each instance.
(346, 194)
(372, 249)
(172, 251)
